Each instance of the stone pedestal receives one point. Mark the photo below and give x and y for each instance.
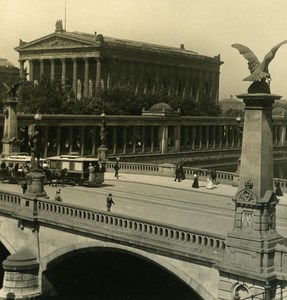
(20, 277)
(10, 135)
(249, 260)
(36, 184)
(102, 154)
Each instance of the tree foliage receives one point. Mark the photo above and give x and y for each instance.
(50, 98)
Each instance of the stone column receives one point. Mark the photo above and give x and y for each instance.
(152, 139)
(42, 69)
(31, 70)
(75, 75)
(134, 139)
(10, 134)
(164, 138)
(86, 78)
(46, 133)
(176, 133)
(52, 69)
(58, 140)
(82, 151)
(213, 136)
(98, 74)
(207, 136)
(220, 136)
(94, 148)
(200, 136)
(22, 70)
(193, 137)
(71, 139)
(124, 139)
(143, 139)
(114, 140)
(283, 135)
(63, 77)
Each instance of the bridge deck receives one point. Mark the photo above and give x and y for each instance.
(161, 199)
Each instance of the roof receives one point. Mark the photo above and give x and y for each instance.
(162, 109)
(6, 63)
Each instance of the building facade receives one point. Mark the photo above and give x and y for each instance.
(85, 63)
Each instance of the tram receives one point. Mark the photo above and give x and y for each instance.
(77, 168)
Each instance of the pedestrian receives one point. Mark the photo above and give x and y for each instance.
(92, 175)
(213, 176)
(209, 184)
(24, 187)
(58, 196)
(177, 173)
(110, 202)
(195, 181)
(116, 168)
(278, 191)
(181, 170)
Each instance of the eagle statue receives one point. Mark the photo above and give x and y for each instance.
(259, 71)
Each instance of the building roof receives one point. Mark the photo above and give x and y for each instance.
(5, 63)
(162, 109)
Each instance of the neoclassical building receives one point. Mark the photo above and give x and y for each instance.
(86, 62)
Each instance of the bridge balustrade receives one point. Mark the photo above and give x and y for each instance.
(168, 239)
(135, 231)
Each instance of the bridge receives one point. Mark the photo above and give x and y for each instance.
(227, 243)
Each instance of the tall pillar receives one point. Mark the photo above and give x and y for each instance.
(213, 136)
(200, 136)
(282, 135)
(82, 151)
(10, 134)
(31, 70)
(114, 140)
(42, 69)
(86, 78)
(75, 75)
(134, 139)
(124, 139)
(98, 74)
(71, 139)
(22, 70)
(46, 133)
(93, 140)
(152, 139)
(143, 139)
(164, 138)
(58, 140)
(249, 260)
(207, 136)
(52, 69)
(63, 77)
(176, 133)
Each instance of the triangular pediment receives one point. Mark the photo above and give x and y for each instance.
(58, 40)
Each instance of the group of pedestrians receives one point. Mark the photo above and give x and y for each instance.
(211, 176)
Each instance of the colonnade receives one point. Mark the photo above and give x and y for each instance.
(86, 75)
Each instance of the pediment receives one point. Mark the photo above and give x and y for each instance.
(56, 41)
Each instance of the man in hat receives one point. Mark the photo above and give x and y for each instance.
(57, 196)
(109, 202)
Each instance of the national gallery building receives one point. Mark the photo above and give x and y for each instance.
(85, 63)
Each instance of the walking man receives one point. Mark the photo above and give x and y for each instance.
(177, 173)
(116, 168)
(58, 196)
(109, 202)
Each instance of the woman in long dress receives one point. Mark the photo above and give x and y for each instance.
(209, 184)
(195, 181)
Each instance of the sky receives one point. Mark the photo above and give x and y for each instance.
(208, 27)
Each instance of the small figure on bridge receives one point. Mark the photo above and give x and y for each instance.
(177, 173)
(58, 196)
(92, 175)
(278, 191)
(195, 181)
(109, 202)
(24, 187)
(116, 168)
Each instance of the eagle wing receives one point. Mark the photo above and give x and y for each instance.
(270, 55)
(253, 62)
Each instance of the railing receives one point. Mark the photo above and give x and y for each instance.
(169, 170)
(165, 238)
(273, 294)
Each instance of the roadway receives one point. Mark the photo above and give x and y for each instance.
(161, 199)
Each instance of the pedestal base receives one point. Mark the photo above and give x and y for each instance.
(36, 184)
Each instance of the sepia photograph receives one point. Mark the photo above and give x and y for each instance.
(143, 150)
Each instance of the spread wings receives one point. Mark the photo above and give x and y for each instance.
(253, 62)
(270, 55)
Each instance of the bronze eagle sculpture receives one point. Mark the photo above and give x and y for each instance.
(259, 71)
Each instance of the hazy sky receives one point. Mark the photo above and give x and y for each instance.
(208, 27)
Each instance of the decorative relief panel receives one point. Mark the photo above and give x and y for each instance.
(247, 219)
(56, 43)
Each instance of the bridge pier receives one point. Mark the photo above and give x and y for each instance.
(20, 277)
(250, 258)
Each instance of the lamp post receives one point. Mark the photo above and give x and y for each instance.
(36, 176)
(102, 150)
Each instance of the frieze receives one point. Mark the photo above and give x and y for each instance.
(56, 43)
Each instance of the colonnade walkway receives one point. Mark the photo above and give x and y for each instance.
(162, 200)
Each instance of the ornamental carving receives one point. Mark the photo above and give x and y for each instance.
(246, 196)
(57, 43)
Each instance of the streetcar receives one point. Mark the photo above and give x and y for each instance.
(73, 168)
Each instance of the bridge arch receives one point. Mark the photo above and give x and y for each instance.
(172, 266)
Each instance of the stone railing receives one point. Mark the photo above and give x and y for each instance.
(163, 238)
(169, 171)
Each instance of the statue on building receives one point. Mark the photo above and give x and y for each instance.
(12, 91)
(259, 71)
(59, 26)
